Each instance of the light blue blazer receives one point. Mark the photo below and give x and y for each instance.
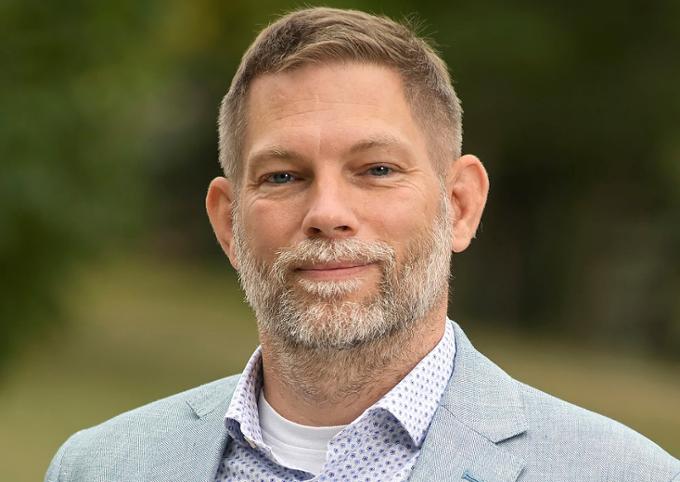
(488, 428)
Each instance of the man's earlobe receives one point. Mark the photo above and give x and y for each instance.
(218, 203)
(468, 188)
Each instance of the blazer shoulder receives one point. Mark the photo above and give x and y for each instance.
(146, 424)
(194, 402)
(580, 434)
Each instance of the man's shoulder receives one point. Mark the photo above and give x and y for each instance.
(551, 439)
(151, 426)
(561, 433)
(191, 403)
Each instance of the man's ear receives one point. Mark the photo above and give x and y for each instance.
(218, 203)
(468, 187)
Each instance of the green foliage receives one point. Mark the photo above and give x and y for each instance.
(575, 111)
(71, 131)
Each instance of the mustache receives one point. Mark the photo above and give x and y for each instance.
(331, 250)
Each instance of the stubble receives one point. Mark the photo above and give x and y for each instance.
(329, 347)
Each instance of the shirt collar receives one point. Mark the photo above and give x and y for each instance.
(242, 419)
(415, 398)
(412, 402)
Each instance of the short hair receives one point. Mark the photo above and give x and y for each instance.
(319, 35)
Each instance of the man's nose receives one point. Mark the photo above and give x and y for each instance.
(330, 213)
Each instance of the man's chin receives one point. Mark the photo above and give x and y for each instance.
(330, 324)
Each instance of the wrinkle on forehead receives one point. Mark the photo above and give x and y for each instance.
(279, 114)
(283, 108)
(287, 89)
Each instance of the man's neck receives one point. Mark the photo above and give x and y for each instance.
(333, 387)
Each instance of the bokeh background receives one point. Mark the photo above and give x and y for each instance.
(113, 291)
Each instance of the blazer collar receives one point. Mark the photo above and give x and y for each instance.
(194, 449)
(214, 396)
(481, 407)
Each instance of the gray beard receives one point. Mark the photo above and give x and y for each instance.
(327, 347)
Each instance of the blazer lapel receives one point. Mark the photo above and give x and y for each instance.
(480, 408)
(193, 452)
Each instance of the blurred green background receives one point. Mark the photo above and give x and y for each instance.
(114, 293)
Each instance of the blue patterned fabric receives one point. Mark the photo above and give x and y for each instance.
(382, 444)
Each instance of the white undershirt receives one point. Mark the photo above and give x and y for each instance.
(296, 446)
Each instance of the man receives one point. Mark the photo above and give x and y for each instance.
(345, 194)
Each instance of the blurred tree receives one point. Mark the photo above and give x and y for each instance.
(576, 111)
(76, 85)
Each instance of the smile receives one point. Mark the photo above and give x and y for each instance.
(333, 271)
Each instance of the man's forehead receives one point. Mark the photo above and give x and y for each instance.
(347, 82)
(348, 106)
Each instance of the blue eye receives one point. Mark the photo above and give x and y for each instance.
(380, 170)
(280, 178)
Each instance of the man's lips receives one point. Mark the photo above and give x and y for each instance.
(336, 270)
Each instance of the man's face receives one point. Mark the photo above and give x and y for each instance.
(342, 233)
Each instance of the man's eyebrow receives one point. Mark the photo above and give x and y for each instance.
(274, 152)
(371, 142)
(376, 141)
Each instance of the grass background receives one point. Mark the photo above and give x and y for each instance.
(141, 329)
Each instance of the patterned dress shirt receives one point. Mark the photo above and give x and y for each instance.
(380, 445)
